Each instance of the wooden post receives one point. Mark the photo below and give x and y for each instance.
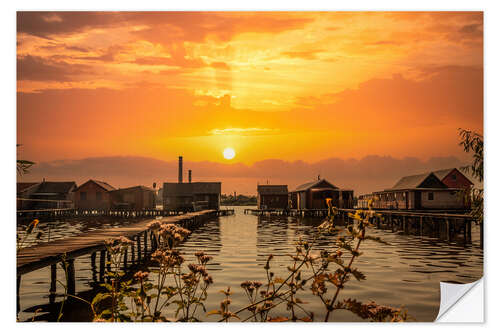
(405, 229)
(102, 264)
(145, 244)
(70, 277)
(18, 287)
(132, 252)
(108, 263)
(469, 231)
(480, 234)
(447, 224)
(421, 226)
(139, 248)
(53, 278)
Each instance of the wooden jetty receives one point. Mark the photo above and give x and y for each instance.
(438, 223)
(50, 254)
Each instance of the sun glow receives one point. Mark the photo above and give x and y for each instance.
(229, 153)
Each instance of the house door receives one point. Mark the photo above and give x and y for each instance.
(418, 199)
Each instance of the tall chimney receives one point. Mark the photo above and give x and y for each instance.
(180, 169)
(189, 175)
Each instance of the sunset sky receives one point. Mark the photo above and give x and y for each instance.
(345, 90)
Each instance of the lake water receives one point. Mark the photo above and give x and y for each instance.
(405, 273)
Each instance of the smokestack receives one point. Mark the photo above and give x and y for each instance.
(180, 169)
(189, 175)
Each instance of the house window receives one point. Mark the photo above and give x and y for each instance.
(83, 196)
(98, 196)
(430, 196)
(454, 177)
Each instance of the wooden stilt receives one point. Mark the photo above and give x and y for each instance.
(18, 287)
(102, 265)
(480, 234)
(448, 231)
(139, 249)
(70, 276)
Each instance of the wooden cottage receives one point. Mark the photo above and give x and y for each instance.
(421, 192)
(313, 195)
(93, 195)
(191, 196)
(272, 196)
(45, 195)
(134, 198)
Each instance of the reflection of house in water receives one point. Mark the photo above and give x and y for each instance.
(93, 194)
(45, 195)
(191, 196)
(272, 196)
(313, 195)
(136, 198)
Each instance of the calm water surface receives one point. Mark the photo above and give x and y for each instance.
(405, 273)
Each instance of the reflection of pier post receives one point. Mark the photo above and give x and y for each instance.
(145, 244)
(93, 266)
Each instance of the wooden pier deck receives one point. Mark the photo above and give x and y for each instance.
(39, 256)
(438, 223)
(50, 254)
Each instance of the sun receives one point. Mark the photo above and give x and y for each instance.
(229, 153)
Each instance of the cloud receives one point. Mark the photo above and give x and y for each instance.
(163, 27)
(35, 68)
(364, 175)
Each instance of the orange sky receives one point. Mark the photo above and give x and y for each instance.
(277, 85)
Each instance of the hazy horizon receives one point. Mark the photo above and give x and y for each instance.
(364, 175)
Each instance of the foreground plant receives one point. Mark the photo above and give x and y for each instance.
(29, 230)
(180, 287)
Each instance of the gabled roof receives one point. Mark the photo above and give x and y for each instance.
(102, 184)
(272, 189)
(306, 186)
(141, 187)
(56, 187)
(443, 173)
(24, 186)
(419, 181)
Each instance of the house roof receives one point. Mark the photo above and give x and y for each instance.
(443, 173)
(144, 188)
(102, 184)
(272, 189)
(306, 186)
(418, 181)
(24, 186)
(56, 187)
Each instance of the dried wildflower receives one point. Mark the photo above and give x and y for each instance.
(141, 275)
